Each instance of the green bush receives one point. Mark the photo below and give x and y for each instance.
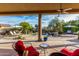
(19, 37)
(74, 29)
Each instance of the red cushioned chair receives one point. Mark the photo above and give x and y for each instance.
(20, 48)
(76, 52)
(67, 52)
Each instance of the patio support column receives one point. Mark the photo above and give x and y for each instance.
(40, 27)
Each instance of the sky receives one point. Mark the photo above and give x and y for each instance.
(33, 19)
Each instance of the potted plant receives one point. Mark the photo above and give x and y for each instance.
(45, 38)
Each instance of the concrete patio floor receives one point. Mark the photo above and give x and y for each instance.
(55, 43)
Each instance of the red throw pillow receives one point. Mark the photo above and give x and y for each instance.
(66, 52)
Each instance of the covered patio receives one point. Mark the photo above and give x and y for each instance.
(39, 9)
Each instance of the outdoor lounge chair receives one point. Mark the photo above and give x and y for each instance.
(16, 33)
(67, 52)
(13, 33)
(21, 49)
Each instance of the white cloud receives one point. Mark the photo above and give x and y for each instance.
(33, 19)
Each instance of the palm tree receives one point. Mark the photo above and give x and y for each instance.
(26, 27)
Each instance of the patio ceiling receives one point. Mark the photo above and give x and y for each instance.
(27, 8)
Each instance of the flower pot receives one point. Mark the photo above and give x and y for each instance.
(45, 39)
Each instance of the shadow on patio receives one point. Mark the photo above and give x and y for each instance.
(76, 41)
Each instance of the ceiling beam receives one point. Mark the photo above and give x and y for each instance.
(36, 8)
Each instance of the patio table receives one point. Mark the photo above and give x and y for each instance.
(44, 47)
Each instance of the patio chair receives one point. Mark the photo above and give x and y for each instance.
(67, 52)
(13, 33)
(22, 51)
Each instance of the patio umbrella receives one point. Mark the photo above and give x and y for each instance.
(69, 26)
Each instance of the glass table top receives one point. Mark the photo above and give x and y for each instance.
(44, 45)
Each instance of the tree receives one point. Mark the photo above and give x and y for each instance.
(56, 25)
(25, 26)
